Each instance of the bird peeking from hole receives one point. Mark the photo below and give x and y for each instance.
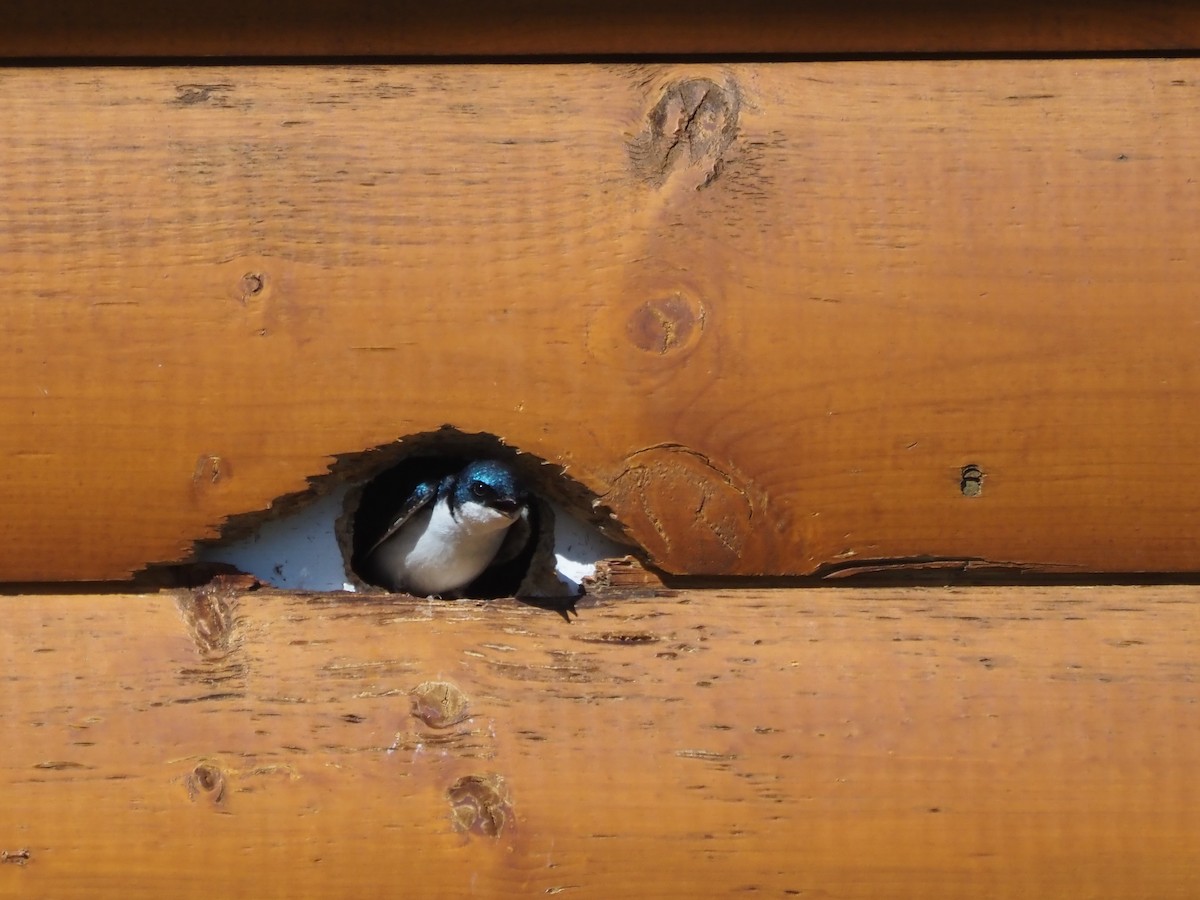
(448, 531)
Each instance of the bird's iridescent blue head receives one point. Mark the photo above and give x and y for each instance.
(492, 484)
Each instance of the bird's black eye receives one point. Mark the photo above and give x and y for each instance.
(480, 490)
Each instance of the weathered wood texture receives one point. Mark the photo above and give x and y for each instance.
(1021, 743)
(766, 312)
(306, 27)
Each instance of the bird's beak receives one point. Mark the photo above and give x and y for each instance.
(509, 507)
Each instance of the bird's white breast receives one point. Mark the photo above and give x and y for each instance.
(435, 553)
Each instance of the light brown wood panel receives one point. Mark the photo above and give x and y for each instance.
(1024, 743)
(767, 313)
(256, 28)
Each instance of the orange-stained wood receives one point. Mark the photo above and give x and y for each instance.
(768, 313)
(257, 28)
(1023, 743)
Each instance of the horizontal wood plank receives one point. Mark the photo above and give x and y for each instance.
(770, 315)
(260, 28)
(1029, 743)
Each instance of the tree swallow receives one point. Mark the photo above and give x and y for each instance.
(449, 531)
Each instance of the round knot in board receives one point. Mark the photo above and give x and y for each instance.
(687, 133)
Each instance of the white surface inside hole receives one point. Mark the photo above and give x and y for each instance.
(578, 547)
(297, 552)
(300, 551)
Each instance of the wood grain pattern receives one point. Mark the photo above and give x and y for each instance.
(257, 28)
(767, 313)
(936, 743)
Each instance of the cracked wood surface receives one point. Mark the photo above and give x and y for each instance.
(257, 28)
(771, 314)
(1032, 742)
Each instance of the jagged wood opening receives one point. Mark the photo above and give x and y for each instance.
(316, 540)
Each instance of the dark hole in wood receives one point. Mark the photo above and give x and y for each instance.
(381, 498)
(971, 482)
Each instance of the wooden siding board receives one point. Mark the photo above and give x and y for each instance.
(925, 742)
(770, 343)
